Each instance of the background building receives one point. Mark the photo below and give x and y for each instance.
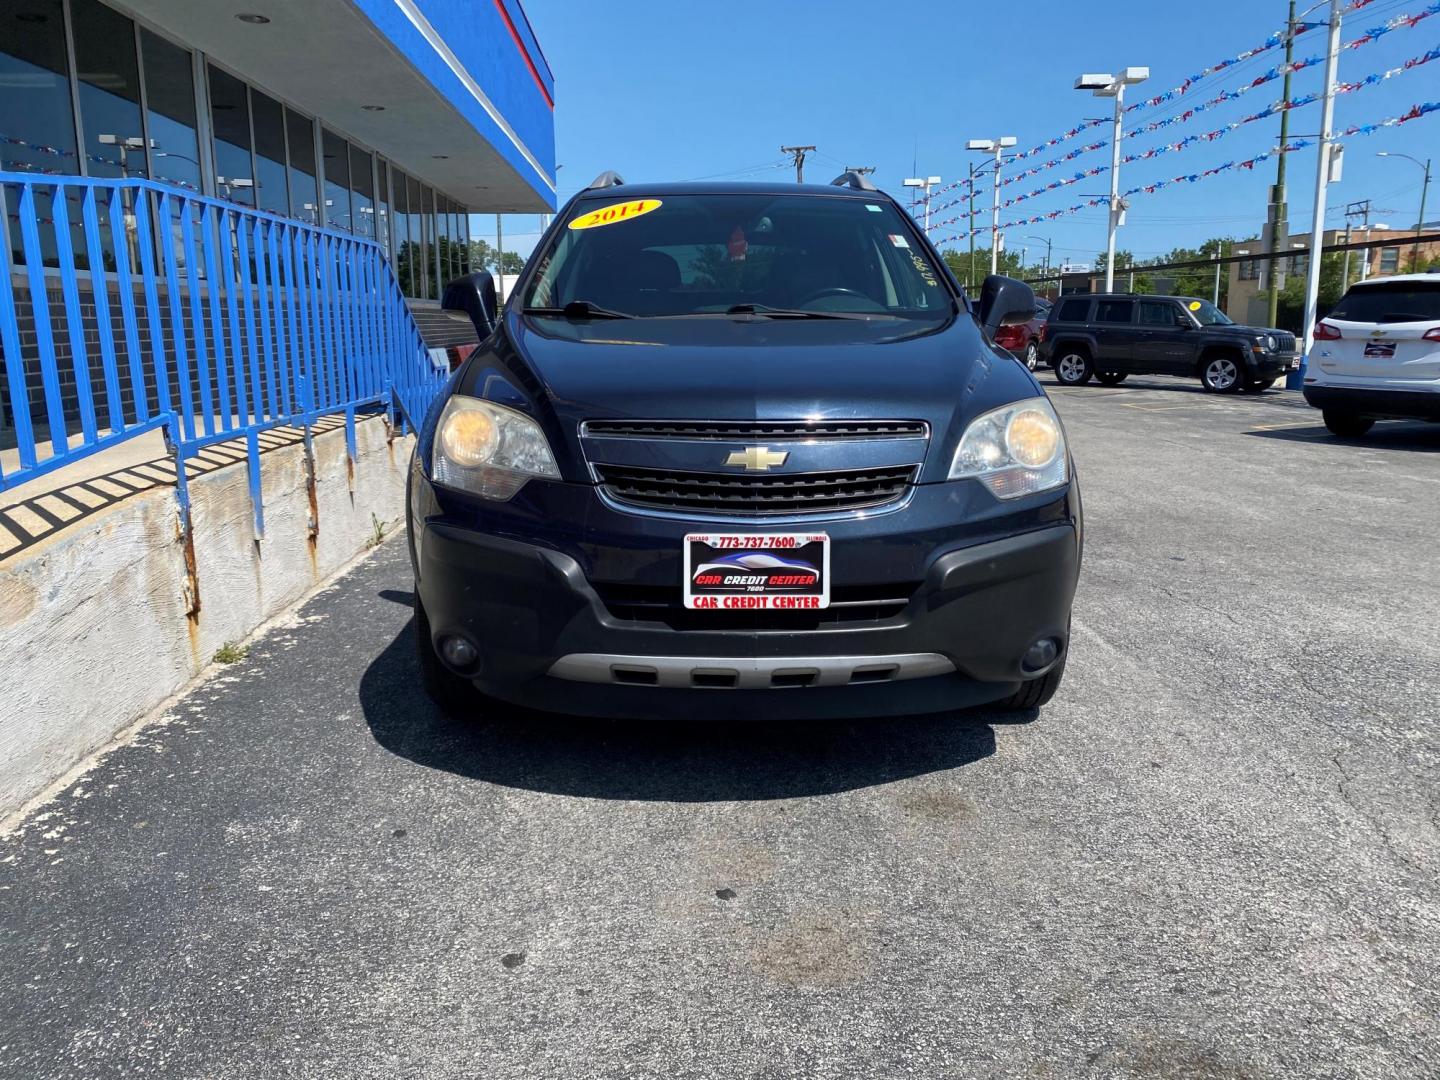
(387, 119)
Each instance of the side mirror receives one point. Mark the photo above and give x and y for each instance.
(474, 295)
(1004, 302)
(1183, 321)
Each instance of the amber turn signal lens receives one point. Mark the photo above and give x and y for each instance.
(470, 437)
(1032, 438)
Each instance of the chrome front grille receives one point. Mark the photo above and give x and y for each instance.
(741, 430)
(741, 495)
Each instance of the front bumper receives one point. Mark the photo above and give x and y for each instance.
(1378, 404)
(533, 584)
(1272, 365)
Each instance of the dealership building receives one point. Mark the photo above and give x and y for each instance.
(390, 120)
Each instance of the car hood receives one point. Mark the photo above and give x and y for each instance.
(727, 368)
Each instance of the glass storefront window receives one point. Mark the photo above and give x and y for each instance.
(35, 114)
(304, 194)
(400, 258)
(170, 105)
(382, 202)
(108, 75)
(419, 239)
(269, 119)
(362, 191)
(230, 121)
(337, 179)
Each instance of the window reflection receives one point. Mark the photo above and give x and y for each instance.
(269, 121)
(108, 75)
(362, 188)
(230, 119)
(304, 194)
(337, 180)
(170, 105)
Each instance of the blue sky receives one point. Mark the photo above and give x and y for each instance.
(689, 90)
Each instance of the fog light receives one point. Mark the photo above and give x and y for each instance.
(458, 652)
(1040, 655)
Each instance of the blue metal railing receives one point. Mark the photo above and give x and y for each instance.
(127, 306)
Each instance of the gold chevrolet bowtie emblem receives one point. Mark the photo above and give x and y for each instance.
(757, 458)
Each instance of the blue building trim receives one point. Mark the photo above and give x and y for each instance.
(476, 36)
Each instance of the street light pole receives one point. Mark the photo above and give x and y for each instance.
(1108, 85)
(1322, 179)
(1046, 273)
(926, 183)
(996, 147)
(1420, 221)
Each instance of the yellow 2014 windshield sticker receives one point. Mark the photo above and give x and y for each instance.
(615, 213)
(1194, 305)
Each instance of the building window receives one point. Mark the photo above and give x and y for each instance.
(399, 183)
(336, 167)
(1389, 260)
(1249, 270)
(268, 117)
(230, 121)
(35, 112)
(382, 202)
(362, 189)
(108, 78)
(420, 239)
(170, 111)
(304, 194)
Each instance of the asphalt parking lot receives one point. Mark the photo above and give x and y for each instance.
(1213, 855)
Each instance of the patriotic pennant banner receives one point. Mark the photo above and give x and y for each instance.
(1406, 22)
(1414, 113)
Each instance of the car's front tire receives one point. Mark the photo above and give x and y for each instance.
(1035, 692)
(453, 694)
(1112, 378)
(1346, 425)
(1073, 367)
(1222, 373)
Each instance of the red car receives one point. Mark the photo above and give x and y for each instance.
(1023, 339)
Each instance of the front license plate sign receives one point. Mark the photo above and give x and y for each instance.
(757, 571)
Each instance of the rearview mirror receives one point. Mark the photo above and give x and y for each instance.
(474, 294)
(1004, 301)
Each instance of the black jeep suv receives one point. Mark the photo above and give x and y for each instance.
(1112, 335)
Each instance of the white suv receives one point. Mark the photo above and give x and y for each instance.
(1377, 355)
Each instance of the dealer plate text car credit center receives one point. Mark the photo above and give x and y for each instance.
(741, 451)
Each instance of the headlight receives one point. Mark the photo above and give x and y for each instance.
(1018, 449)
(488, 449)
(1267, 340)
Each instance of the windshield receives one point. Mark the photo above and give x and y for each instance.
(1207, 314)
(1402, 301)
(699, 254)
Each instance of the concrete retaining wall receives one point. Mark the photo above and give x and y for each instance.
(93, 626)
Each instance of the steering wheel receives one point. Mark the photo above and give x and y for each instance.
(832, 290)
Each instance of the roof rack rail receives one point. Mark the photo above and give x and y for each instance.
(855, 180)
(608, 178)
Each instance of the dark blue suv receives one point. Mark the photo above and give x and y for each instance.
(742, 451)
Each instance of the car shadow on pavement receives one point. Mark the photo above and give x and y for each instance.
(654, 761)
(1418, 438)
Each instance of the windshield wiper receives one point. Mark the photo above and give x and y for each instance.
(579, 309)
(789, 313)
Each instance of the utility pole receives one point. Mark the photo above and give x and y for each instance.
(1355, 210)
(1420, 222)
(1322, 179)
(499, 259)
(1278, 223)
(970, 281)
(797, 154)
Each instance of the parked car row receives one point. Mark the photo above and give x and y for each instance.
(1376, 355)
